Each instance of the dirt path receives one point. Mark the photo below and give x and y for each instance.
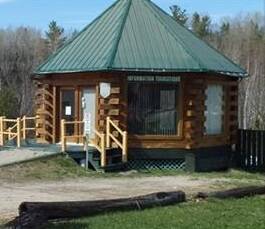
(11, 195)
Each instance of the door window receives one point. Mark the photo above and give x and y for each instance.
(68, 109)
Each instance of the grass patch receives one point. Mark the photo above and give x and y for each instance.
(233, 174)
(229, 174)
(62, 167)
(53, 168)
(235, 214)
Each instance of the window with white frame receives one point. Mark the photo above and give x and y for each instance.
(214, 109)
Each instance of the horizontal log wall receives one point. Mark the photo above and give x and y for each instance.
(193, 116)
(46, 111)
(113, 106)
(192, 108)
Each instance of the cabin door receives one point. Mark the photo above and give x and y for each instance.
(89, 111)
(69, 111)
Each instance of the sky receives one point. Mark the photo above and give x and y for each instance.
(75, 14)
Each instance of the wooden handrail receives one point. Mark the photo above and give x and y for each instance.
(64, 137)
(1, 131)
(10, 120)
(30, 118)
(15, 130)
(123, 144)
(116, 141)
(11, 135)
(25, 129)
(12, 128)
(73, 122)
(114, 125)
(74, 136)
(18, 132)
(63, 133)
(99, 145)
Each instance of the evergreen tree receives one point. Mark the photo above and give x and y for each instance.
(179, 14)
(255, 31)
(55, 36)
(201, 25)
(225, 28)
(8, 102)
(195, 24)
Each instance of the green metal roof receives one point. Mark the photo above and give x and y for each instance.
(136, 35)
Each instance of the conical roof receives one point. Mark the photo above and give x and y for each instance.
(136, 35)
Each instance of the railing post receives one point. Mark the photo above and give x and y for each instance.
(36, 125)
(85, 143)
(86, 149)
(63, 139)
(125, 147)
(1, 131)
(18, 132)
(9, 134)
(24, 127)
(108, 132)
(103, 151)
(4, 128)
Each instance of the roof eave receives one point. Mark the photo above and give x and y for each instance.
(138, 70)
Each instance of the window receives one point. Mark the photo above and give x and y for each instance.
(214, 112)
(153, 108)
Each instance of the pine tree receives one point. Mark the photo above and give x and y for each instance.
(179, 14)
(55, 36)
(225, 28)
(201, 25)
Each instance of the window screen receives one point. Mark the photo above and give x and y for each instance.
(153, 108)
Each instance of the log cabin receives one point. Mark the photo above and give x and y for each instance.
(138, 81)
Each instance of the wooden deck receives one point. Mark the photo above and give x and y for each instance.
(30, 151)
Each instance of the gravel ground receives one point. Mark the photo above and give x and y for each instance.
(12, 194)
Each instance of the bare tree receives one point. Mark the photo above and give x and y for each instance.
(21, 50)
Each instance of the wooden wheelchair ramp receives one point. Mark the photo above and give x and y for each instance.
(29, 150)
(16, 145)
(19, 142)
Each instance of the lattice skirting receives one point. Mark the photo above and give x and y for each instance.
(165, 164)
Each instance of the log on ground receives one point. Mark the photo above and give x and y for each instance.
(36, 213)
(234, 193)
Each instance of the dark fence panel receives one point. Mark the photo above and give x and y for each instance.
(250, 153)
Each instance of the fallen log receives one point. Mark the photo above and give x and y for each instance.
(234, 193)
(32, 214)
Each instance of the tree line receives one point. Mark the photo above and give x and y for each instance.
(21, 51)
(241, 38)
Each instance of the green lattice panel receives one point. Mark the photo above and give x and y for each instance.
(177, 164)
